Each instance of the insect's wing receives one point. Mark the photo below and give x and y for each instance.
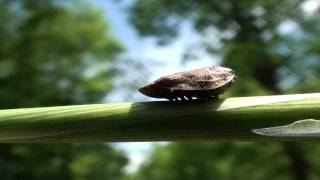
(212, 77)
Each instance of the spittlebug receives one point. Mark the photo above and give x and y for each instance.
(201, 84)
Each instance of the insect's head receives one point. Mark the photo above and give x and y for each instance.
(154, 89)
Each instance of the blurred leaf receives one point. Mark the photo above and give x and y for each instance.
(52, 44)
(272, 45)
(302, 128)
(56, 52)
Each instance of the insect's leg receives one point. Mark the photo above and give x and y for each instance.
(178, 96)
(192, 97)
(188, 95)
(170, 99)
(198, 97)
(172, 95)
(195, 96)
(184, 96)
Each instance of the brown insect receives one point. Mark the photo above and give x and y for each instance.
(201, 84)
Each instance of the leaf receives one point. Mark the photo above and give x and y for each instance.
(302, 128)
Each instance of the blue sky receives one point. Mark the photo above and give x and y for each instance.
(167, 59)
(146, 48)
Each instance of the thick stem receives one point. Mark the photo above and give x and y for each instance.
(225, 119)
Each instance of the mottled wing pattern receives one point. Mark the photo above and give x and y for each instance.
(200, 79)
(200, 84)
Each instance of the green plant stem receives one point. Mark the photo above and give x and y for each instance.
(225, 119)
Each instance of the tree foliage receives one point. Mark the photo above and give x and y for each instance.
(272, 45)
(52, 53)
(57, 161)
(215, 161)
(247, 35)
(56, 52)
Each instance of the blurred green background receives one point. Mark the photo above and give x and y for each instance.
(56, 52)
